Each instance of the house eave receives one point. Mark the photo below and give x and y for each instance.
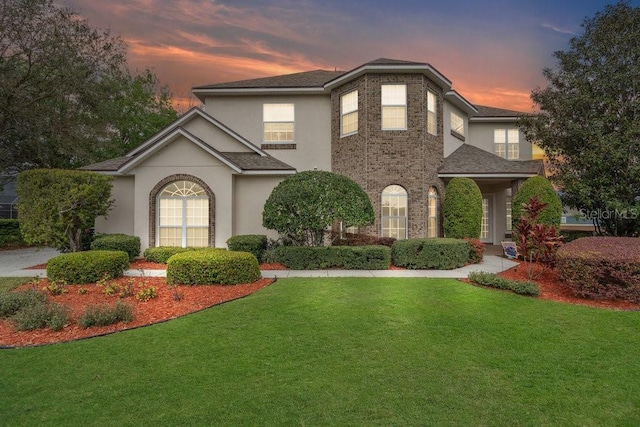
(493, 119)
(201, 94)
(487, 175)
(426, 69)
(269, 172)
(459, 101)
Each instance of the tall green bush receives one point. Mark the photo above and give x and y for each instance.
(462, 209)
(304, 205)
(540, 187)
(57, 206)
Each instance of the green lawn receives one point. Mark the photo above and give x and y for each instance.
(343, 352)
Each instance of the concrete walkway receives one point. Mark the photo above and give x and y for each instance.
(13, 264)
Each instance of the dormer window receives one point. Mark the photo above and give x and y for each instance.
(394, 107)
(349, 113)
(457, 126)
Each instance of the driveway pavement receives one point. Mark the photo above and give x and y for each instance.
(13, 264)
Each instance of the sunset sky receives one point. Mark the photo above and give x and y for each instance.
(493, 51)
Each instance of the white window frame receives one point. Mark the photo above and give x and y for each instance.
(509, 217)
(278, 115)
(432, 113)
(184, 192)
(348, 113)
(506, 143)
(399, 193)
(393, 98)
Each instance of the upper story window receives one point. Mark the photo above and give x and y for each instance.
(278, 123)
(349, 113)
(457, 125)
(432, 113)
(394, 107)
(507, 143)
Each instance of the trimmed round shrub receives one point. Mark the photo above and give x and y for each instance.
(161, 254)
(252, 243)
(462, 209)
(87, 267)
(209, 267)
(117, 242)
(540, 187)
(440, 253)
(304, 205)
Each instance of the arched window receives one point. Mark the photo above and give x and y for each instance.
(183, 215)
(432, 215)
(394, 212)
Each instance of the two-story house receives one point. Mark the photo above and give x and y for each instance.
(395, 127)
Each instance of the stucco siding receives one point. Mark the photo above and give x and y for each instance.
(250, 195)
(451, 143)
(183, 157)
(120, 218)
(312, 127)
(213, 136)
(481, 136)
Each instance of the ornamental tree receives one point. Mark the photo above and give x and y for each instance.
(56, 206)
(304, 205)
(589, 120)
(462, 209)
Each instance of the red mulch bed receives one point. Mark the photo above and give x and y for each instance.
(159, 309)
(551, 288)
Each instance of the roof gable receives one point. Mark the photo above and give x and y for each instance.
(185, 118)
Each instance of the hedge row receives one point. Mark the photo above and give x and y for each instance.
(208, 267)
(495, 281)
(87, 267)
(255, 244)
(10, 232)
(346, 257)
(161, 254)
(602, 267)
(117, 242)
(438, 253)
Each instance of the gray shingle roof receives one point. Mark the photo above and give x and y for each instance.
(472, 160)
(484, 111)
(316, 78)
(246, 161)
(110, 165)
(254, 161)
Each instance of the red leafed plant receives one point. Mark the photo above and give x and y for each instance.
(537, 243)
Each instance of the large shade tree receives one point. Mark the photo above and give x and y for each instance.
(66, 96)
(589, 120)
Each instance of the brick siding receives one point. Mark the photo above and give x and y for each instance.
(375, 158)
